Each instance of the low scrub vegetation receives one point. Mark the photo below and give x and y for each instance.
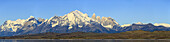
(139, 34)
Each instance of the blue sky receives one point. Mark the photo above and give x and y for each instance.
(123, 11)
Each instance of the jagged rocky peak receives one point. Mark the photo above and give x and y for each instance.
(41, 20)
(108, 22)
(94, 16)
(31, 18)
(98, 18)
(76, 12)
(86, 15)
(54, 18)
(104, 18)
(107, 19)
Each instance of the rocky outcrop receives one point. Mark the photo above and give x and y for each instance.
(94, 16)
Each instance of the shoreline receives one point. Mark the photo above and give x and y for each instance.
(84, 39)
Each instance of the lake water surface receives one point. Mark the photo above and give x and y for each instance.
(84, 40)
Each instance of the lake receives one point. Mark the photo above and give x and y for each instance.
(84, 40)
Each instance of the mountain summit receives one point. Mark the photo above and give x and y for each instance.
(74, 21)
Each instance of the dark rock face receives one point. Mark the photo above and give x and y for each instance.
(145, 27)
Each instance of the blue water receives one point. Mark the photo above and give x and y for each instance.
(84, 40)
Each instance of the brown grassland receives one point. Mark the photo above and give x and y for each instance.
(139, 34)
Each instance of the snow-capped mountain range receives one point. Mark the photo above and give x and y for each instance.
(156, 24)
(74, 21)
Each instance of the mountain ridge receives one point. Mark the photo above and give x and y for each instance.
(72, 22)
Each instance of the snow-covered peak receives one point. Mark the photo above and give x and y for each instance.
(30, 18)
(124, 25)
(98, 17)
(53, 17)
(76, 11)
(108, 22)
(139, 23)
(73, 18)
(85, 15)
(162, 24)
(12, 26)
(18, 21)
(76, 16)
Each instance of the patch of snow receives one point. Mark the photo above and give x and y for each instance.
(125, 25)
(33, 21)
(30, 17)
(43, 22)
(108, 26)
(70, 27)
(80, 26)
(46, 20)
(53, 25)
(139, 23)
